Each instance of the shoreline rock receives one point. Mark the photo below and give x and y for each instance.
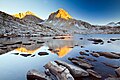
(61, 72)
(34, 74)
(74, 70)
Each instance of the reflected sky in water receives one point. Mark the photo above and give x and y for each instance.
(15, 67)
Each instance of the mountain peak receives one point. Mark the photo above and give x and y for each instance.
(23, 14)
(61, 13)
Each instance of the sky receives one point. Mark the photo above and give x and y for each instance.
(92, 11)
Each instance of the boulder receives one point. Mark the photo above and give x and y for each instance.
(74, 70)
(36, 75)
(61, 72)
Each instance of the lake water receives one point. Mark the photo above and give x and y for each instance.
(15, 67)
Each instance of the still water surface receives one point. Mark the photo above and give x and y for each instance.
(15, 67)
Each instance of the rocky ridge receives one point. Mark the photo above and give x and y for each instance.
(58, 23)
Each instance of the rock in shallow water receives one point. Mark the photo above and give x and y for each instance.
(36, 75)
(94, 74)
(118, 71)
(95, 54)
(25, 55)
(43, 53)
(81, 63)
(83, 53)
(110, 65)
(109, 55)
(74, 70)
(61, 72)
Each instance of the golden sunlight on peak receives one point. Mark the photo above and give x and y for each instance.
(63, 51)
(23, 14)
(61, 13)
(22, 49)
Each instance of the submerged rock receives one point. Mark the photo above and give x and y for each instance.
(61, 72)
(74, 70)
(110, 65)
(83, 53)
(116, 53)
(109, 55)
(91, 59)
(81, 57)
(94, 74)
(36, 75)
(81, 63)
(95, 54)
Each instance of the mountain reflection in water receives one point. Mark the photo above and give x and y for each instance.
(24, 50)
(63, 51)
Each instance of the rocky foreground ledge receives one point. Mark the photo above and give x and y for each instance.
(60, 70)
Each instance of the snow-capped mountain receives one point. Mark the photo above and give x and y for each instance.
(113, 24)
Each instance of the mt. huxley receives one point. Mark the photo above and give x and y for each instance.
(58, 23)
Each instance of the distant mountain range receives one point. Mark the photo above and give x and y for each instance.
(113, 24)
(58, 23)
